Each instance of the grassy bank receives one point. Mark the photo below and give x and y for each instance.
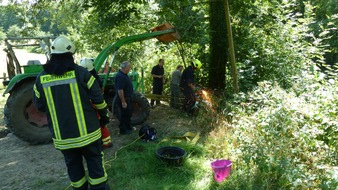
(276, 139)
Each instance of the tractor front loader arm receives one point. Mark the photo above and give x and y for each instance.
(164, 33)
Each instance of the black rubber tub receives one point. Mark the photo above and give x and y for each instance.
(171, 155)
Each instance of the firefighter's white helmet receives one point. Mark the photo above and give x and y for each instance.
(62, 45)
(87, 63)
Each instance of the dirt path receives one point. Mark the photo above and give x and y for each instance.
(23, 166)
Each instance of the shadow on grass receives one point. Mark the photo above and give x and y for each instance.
(138, 167)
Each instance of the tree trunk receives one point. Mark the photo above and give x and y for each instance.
(218, 46)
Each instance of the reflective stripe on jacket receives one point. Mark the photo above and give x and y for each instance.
(67, 101)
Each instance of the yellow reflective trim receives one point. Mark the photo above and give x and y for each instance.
(63, 144)
(78, 184)
(106, 140)
(90, 82)
(53, 78)
(74, 89)
(37, 93)
(102, 179)
(52, 112)
(101, 106)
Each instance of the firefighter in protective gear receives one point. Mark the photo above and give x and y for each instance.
(187, 84)
(65, 92)
(88, 63)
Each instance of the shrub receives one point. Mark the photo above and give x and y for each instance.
(281, 139)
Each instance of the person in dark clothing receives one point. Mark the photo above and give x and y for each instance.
(187, 84)
(124, 91)
(88, 63)
(157, 72)
(67, 92)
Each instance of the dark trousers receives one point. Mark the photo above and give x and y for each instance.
(125, 116)
(175, 93)
(94, 157)
(157, 89)
(189, 99)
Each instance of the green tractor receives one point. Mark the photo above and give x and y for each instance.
(28, 124)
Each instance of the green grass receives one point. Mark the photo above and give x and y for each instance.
(138, 167)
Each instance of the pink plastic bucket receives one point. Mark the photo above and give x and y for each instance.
(221, 169)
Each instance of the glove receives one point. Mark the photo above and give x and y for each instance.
(104, 121)
(104, 117)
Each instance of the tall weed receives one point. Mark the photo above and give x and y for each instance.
(281, 139)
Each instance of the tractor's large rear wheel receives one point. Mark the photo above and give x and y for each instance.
(23, 119)
(141, 109)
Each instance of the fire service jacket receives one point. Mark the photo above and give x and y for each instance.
(68, 101)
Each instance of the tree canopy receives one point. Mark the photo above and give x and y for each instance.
(274, 40)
